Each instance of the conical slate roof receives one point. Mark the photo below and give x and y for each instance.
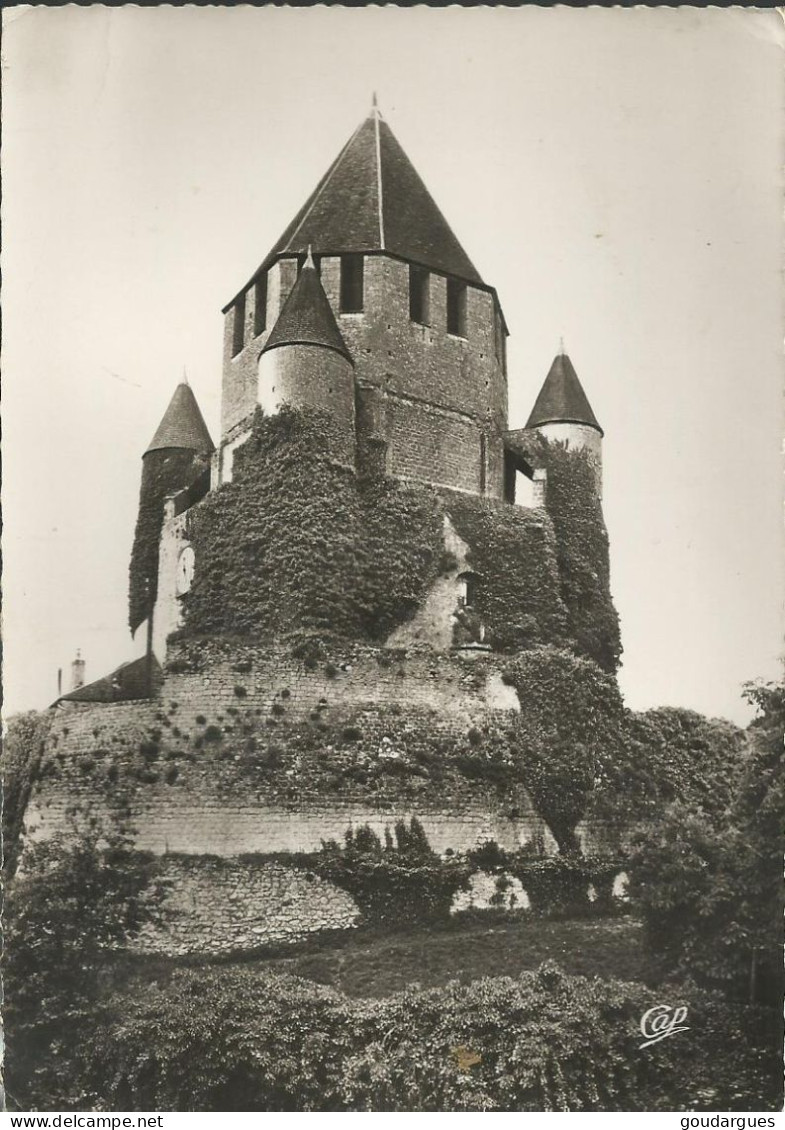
(182, 425)
(372, 199)
(562, 399)
(306, 317)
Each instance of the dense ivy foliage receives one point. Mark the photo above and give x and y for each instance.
(235, 1038)
(574, 506)
(296, 542)
(512, 552)
(299, 543)
(23, 750)
(708, 881)
(667, 754)
(400, 880)
(80, 894)
(569, 727)
(163, 472)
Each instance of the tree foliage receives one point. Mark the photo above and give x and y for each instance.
(80, 895)
(708, 881)
(670, 754)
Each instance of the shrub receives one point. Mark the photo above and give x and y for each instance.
(240, 691)
(80, 894)
(149, 751)
(213, 734)
(235, 1038)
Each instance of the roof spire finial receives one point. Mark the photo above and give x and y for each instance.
(561, 346)
(374, 106)
(309, 259)
(185, 376)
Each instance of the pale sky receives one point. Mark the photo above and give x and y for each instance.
(615, 174)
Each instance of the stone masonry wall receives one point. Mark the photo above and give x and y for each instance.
(218, 906)
(203, 804)
(420, 368)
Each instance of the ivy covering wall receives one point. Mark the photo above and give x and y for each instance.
(582, 551)
(163, 473)
(298, 543)
(513, 552)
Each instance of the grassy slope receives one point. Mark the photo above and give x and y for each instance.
(376, 966)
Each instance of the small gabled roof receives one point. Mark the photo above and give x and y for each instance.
(182, 425)
(373, 199)
(128, 681)
(562, 399)
(306, 317)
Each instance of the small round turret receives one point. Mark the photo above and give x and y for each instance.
(305, 362)
(562, 413)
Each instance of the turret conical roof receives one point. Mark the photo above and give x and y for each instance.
(306, 317)
(562, 399)
(372, 199)
(182, 425)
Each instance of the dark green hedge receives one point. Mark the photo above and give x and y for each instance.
(240, 1039)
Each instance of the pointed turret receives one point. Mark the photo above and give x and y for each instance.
(562, 399)
(305, 362)
(306, 317)
(178, 455)
(182, 425)
(562, 413)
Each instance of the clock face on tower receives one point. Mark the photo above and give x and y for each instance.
(185, 570)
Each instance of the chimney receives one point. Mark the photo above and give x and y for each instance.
(77, 672)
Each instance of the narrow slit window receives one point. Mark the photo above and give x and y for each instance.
(467, 590)
(260, 305)
(352, 284)
(420, 295)
(456, 308)
(238, 329)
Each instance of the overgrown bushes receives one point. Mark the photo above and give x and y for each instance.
(81, 894)
(228, 1039)
(707, 880)
(402, 880)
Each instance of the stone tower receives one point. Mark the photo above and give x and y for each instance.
(176, 458)
(562, 413)
(305, 362)
(425, 333)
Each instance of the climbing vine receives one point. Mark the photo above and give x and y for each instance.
(295, 542)
(569, 729)
(513, 554)
(163, 472)
(573, 503)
